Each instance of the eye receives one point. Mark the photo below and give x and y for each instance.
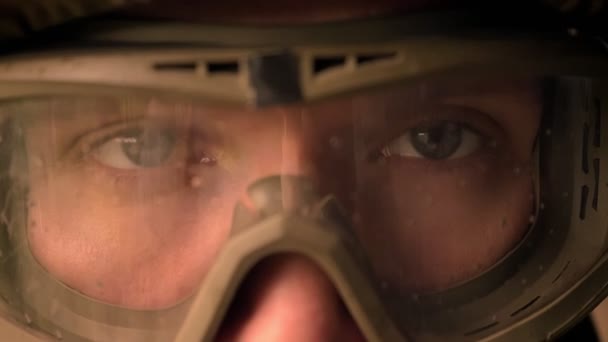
(141, 147)
(436, 141)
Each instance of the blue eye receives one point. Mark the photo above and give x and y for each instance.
(436, 141)
(142, 147)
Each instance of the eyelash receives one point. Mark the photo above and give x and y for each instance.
(84, 148)
(469, 140)
(489, 132)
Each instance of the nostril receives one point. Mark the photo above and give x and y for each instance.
(288, 298)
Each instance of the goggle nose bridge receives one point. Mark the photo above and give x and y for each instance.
(285, 194)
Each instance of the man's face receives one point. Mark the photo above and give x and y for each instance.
(131, 199)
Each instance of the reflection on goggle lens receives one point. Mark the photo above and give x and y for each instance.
(146, 185)
(138, 147)
(131, 198)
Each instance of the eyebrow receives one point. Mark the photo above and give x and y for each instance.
(477, 86)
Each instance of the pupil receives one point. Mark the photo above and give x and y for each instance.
(148, 148)
(437, 141)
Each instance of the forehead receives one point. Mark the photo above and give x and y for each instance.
(279, 11)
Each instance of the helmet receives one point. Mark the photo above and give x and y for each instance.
(443, 172)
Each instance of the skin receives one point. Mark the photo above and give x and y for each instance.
(426, 225)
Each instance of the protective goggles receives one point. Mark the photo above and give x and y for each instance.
(451, 186)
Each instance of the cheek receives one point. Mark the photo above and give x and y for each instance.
(142, 243)
(141, 254)
(444, 228)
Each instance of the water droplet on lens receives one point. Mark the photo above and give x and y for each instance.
(305, 211)
(37, 161)
(54, 307)
(542, 206)
(335, 143)
(10, 230)
(31, 287)
(565, 194)
(532, 218)
(541, 268)
(415, 297)
(548, 131)
(195, 182)
(115, 200)
(384, 285)
(3, 219)
(517, 171)
(28, 319)
(207, 160)
(493, 144)
(524, 281)
(86, 149)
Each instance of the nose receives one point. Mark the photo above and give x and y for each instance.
(288, 298)
(281, 145)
